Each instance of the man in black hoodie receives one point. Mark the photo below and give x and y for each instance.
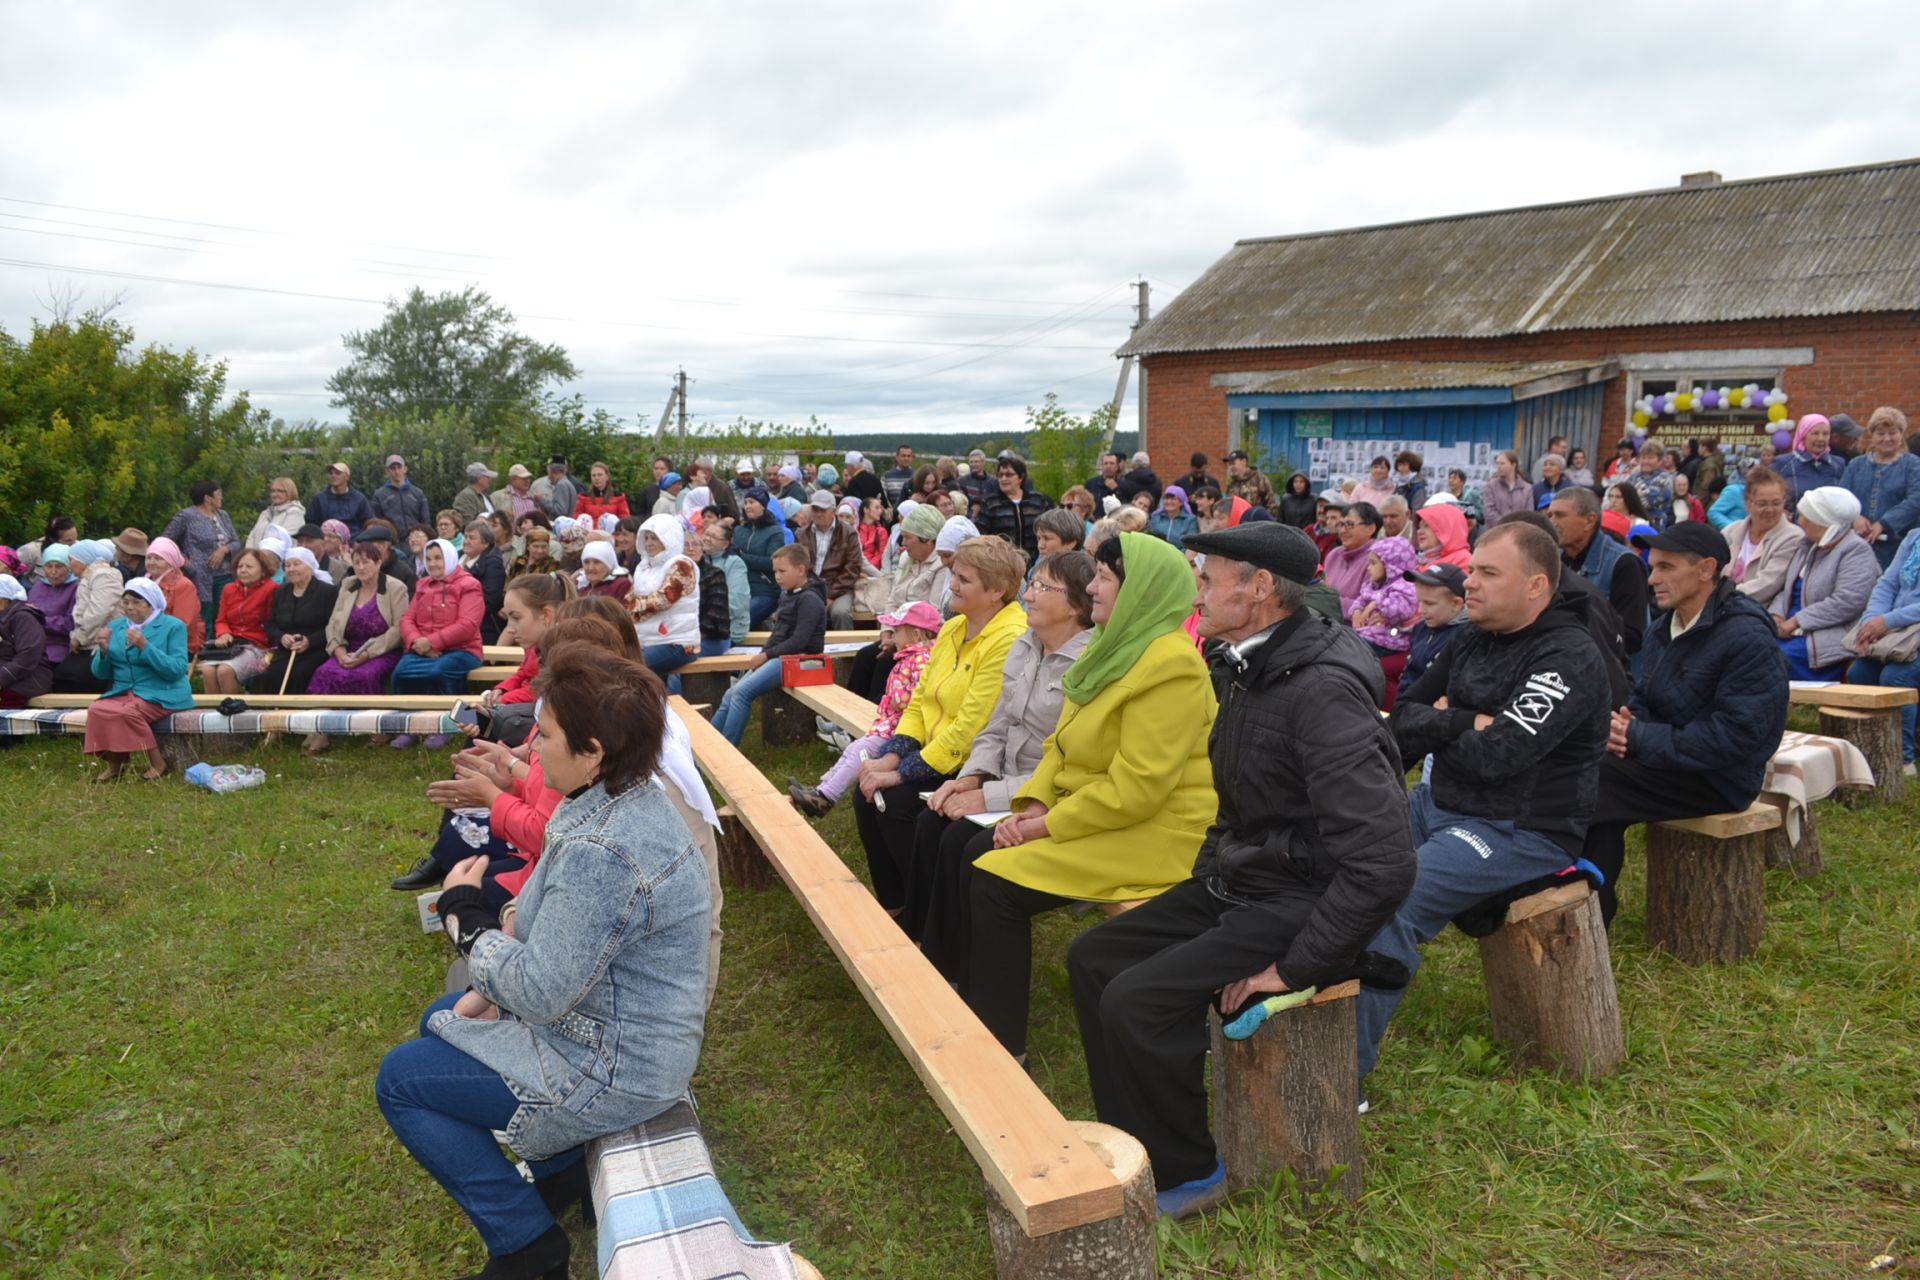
(1709, 709)
(1306, 859)
(1514, 712)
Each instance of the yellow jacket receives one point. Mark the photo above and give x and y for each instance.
(959, 687)
(1127, 784)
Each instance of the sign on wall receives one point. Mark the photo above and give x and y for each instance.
(1313, 424)
(1332, 462)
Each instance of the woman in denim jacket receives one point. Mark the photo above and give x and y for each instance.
(587, 1018)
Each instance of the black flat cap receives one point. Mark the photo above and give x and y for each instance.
(1281, 549)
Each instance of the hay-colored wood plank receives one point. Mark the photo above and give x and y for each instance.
(513, 653)
(838, 704)
(286, 701)
(1758, 816)
(1855, 697)
(1042, 1171)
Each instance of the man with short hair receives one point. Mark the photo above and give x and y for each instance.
(1139, 480)
(1245, 483)
(399, 501)
(1514, 712)
(1307, 858)
(340, 500)
(1106, 484)
(1596, 556)
(899, 477)
(472, 502)
(1346, 564)
(833, 554)
(556, 491)
(978, 484)
(1707, 714)
(1396, 518)
(1196, 473)
(518, 500)
(858, 480)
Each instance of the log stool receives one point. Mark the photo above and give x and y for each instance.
(1788, 851)
(1122, 1248)
(1706, 884)
(742, 864)
(1877, 734)
(1550, 983)
(706, 686)
(1288, 1096)
(784, 722)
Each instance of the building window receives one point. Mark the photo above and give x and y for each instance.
(1746, 416)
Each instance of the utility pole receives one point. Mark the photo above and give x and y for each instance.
(676, 403)
(1126, 367)
(680, 392)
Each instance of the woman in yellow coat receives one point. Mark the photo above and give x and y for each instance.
(1123, 795)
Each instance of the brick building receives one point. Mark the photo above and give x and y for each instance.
(1496, 330)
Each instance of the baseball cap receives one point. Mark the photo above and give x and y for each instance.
(670, 479)
(744, 467)
(341, 467)
(1334, 498)
(853, 459)
(477, 469)
(1690, 537)
(918, 614)
(518, 472)
(394, 457)
(823, 500)
(1239, 455)
(1450, 576)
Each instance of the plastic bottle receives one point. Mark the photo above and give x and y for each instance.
(223, 778)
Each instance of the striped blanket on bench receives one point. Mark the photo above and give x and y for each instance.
(31, 721)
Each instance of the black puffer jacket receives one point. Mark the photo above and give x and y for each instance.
(1311, 792)
(1538, 764)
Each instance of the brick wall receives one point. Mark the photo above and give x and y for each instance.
(1859, 362)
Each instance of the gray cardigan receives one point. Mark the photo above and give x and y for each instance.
(1766, 573)
(1008, 750)
(1839, 582)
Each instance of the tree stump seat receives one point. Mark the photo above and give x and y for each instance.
(1706, 884)
(1550, 989)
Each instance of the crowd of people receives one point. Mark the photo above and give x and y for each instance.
(1169, 695)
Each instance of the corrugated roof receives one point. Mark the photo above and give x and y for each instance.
(1409, 375)
(1831, 243)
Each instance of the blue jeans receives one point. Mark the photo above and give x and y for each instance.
(730, 718)
(444, 674)
(708, 649)
(444, 1105)
(1462, 861)
(664, 659)
(760, 607)
(1898, 675)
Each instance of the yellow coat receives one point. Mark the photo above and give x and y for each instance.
(960, 687)
(1127, 783)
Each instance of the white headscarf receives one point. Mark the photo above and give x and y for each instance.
(305, 557)
(277, 541)
(149, 590)
(1833, 507)
(955, 531)
(449, 557)
(651, 573)
(10, 588)
(603, 553)
(698, 498)
(677, 766)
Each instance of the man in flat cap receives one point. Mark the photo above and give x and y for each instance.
(1309, 855)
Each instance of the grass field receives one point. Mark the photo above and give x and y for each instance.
(195, 991)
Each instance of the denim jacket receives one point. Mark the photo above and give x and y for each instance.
(603, 995)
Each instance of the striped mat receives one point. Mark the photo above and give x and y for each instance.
(29, 722)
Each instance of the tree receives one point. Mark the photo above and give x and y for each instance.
(1063, 450)
(450, 352)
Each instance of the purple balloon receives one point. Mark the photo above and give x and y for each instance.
(1783, 440)
(1709, 399)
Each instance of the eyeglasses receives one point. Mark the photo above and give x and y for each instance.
(1771, 504)
(1043, 587)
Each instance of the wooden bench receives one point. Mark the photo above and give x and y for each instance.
(187, 737)
(1706, 884)
(1065, 1210)
(1550, 988)
(512, 654)
(1287, 1097)
(1868, 716)
(838, 705)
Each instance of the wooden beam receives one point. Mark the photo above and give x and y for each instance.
(513, 653)
(1758, 816)
(1854, 697)
(838, 704)
(1041, 1170)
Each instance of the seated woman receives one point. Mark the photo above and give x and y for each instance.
(363, 639)
(441, 631)
(1829, 581)
(588, 1017)
(1123, 795)
(665, 600)
(1895, 604)
(166, 569)
(1004, 756)
(142, 656)
(94, 606)
(1763, 542)
(24, 669)
(919, 574)
(506, 710)
(951, 705)
(53, 593)
(240, 627)
(297, 625)
(600, 572)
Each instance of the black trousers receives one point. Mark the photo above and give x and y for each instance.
(871, 667)
(1142, 983)
(74, 674)
(1632, 793)
(888, 840)
(999, 931)
(939, 880)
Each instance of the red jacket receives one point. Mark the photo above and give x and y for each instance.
(183, 602)
(447, 611)
(520, 818)
(594, 507)
(243, 612)
(518, 687)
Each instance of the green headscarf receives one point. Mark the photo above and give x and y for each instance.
(1157, 597)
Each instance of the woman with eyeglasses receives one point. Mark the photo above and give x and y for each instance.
(284, 511)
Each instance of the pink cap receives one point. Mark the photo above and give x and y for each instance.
(918, 614)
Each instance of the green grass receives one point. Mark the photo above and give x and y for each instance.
(195, 991)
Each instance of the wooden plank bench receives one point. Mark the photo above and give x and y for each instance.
(1043, 1173)
(1868, 716)
(837, 704)
(187, 737)
(1706, 884)
(1550, 988)
(512, 654)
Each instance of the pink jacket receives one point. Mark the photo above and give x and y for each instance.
(1449, 524)
(1394, 598)
(447, 611)
(901, 683)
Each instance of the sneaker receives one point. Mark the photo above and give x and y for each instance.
(1909, 770)
(1194, 1197)
(401, 741)
(806, 799)
(1365, 1106)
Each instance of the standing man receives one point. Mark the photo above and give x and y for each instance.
(1708, 711)
(743, 478)
(340, 500)
(399, 501)
(1514, 712)
(897, 481)
(1107, 483)
(1307, 859)
(519, 499)
(720, 497)
(860, 482)
(978, 482)
(1139, 480)
(1245, 483)
(833, 553)
(1597, 557)
(472, 502)
(1197, 473)
(556, 491)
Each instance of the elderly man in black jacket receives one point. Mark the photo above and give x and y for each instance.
(1708, 711)
(1307, 858)
(1514, 713)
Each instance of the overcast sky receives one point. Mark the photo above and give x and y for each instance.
(911, 217)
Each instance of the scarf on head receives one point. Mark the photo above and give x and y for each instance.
(957, 530)
(1155, 599)
(449, 558)
(149, 590)
(10, 588)
(168, 550)
(1833, 508)
(651, 573)
(603, 553)
(305, 557)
